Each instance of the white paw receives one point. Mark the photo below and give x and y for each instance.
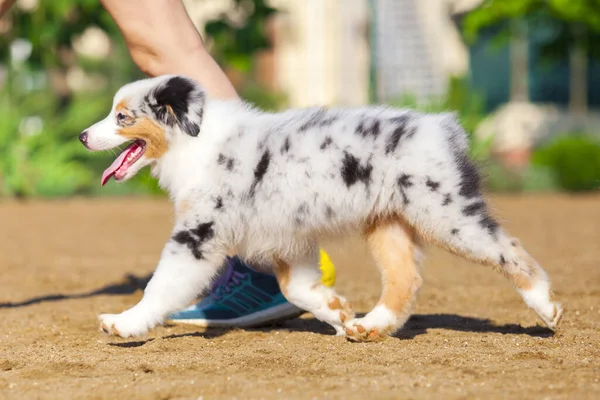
(124, 325)
(374, 326)
(538, 298)
(552, 320)
(335, 311)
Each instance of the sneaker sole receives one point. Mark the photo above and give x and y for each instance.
(280, 312)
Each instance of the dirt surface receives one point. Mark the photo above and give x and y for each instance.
(62, 263)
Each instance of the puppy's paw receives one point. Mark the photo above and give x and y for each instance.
(552, 320)
(373, 327)
(340, 308)
(358, 330)
(122, 325)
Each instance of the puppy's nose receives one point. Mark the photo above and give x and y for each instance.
(83, 137)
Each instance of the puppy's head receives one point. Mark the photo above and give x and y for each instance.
(147, 115)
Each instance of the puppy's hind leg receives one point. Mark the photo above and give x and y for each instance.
(300, 282)
(472, 233)
(396, 252)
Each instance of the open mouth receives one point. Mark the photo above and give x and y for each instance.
(128, 157)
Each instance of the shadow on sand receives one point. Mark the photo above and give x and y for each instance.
(131, 284)
(418, 324)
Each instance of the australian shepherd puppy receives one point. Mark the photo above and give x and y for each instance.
(269, 186)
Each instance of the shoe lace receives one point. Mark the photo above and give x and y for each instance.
(226, 282)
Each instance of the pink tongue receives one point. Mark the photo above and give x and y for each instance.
(110, 171)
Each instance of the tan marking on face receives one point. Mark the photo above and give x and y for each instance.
(123, 105)
(282, 273)
(151, 133)
(343, 317)
(393, 246)
(123, 108)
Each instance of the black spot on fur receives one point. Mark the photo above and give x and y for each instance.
(262, 166)
(172, 104)
(454, 231)
(392, 142)
(473, 209)
(286, 145)
(219, 203)
(230, 164)
(369, 128)
(204, 231)
(327, 121)
(502, 259)
(194, 238)
(447, 199)
(432, 185)
(352, 172)
(329, 213)
(404, 180)
(489, 223)
(411, 132)
(318, 118)
(313, 120)
(486, 222)
(469, 177)
(301, 214)
(260, 171)
(328, 140)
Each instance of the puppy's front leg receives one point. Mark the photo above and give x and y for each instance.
(188, 263)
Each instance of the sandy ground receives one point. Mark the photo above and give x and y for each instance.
(62, 263)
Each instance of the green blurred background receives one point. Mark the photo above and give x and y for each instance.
(520, 52)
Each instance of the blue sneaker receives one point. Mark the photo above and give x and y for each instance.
(241, 297)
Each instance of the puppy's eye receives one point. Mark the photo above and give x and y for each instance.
(121, 116)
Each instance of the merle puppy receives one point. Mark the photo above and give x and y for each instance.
(269, 186)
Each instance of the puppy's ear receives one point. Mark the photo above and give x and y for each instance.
(179, 101)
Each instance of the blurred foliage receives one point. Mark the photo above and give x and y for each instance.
(574, 160)
(239, 33)
(40, 119)
(267, 100)
(51, 26)
(41, 155)
(533, 178)
(237, 36)
(577, 22)
(37, 156)
(465, 102)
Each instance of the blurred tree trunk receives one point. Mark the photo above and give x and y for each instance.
(519, 61)
(578, 70)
